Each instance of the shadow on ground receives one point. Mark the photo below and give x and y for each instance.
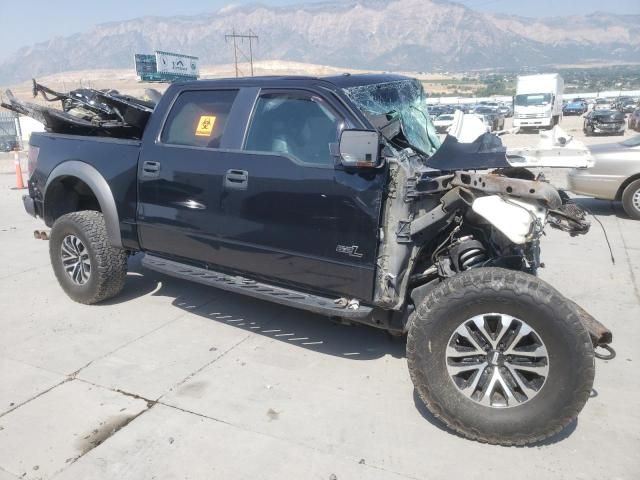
(288, 325)
(604, 208)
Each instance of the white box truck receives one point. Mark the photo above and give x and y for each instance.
(538, 102)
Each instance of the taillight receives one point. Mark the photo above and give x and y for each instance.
(33, 159)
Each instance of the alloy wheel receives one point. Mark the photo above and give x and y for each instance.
(497, 360)
(635, 200)
(75, 259)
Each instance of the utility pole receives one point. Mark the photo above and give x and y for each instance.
(240, 38)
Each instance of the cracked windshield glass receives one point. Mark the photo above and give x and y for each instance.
(405, 99)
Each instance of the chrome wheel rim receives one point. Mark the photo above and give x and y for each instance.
(635, 200)
(497, 360)
(75, 259)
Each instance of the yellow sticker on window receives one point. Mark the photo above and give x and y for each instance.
(205, 126)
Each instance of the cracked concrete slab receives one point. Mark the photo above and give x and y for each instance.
(169, 444)
(75, 335)
(52, 431)
(153, 364)
(4, 475)
(22, 382)
(369, 409)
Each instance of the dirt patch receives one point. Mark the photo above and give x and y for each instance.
(90, 440)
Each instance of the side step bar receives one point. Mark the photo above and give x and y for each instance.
(263, 291)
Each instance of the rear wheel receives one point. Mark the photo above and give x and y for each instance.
(631, 199)
(500, 357)
(87, 267)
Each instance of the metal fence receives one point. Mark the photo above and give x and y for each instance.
(10, 128)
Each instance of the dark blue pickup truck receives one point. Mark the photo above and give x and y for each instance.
(336, 196)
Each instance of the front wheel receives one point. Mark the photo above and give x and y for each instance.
(500, 357)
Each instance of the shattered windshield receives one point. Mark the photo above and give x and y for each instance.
(405, 99)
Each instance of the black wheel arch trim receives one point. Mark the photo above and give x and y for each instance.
(100, 188)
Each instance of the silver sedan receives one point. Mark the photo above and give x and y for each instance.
(615, 175)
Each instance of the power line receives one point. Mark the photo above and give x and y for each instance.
(240, 38)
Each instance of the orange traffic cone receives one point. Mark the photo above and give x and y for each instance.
(19, 180)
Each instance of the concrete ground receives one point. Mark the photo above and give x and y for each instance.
(173, 380)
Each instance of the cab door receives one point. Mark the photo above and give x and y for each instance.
(288, 214)
(180, 175)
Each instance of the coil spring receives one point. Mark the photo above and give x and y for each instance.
(471, 258)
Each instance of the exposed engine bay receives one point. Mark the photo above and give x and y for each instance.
(463, 202)
(440, 222)
(87, 111)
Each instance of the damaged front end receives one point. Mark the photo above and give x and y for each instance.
(87, 111)
(455, 206)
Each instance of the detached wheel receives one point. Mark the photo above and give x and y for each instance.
(500, 357)
(631, 200)
(87, 267)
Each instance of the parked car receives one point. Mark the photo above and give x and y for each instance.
(332, 195)
(615, 175)
(626, 104)
(492, 117)
(435, 111)
(575, 108)
(628, 107)
(604, 122)
(634, 120)
(603, 104)
(506, 110)
(443, 122)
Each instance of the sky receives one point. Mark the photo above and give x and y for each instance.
(39, 20)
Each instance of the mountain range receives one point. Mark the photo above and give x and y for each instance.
(410, 35)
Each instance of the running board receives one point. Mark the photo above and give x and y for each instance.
(263, 291)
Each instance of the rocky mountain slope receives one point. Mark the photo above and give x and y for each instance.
(416, 35)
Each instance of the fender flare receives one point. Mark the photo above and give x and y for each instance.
(100, 188)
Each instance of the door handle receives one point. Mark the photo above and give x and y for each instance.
(236, 180)
(151, 169)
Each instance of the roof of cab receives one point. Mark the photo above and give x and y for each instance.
(340, 81)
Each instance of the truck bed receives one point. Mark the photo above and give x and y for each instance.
(115, 159)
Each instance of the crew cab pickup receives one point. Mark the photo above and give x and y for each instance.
(336, 196)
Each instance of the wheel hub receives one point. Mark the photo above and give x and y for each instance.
(497, 360)
(75, 259)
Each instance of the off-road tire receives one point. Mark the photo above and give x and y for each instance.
(627, 199)
(108, 264)
(487, 290)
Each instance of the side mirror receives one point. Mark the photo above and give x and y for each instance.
(359, 148)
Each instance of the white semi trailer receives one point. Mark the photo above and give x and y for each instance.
(538, 101)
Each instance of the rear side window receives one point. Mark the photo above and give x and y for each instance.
(198, 119)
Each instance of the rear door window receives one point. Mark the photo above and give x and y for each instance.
(198, 118)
